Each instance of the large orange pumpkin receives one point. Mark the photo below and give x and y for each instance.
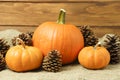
(23, 58)
(65, 38)
(94, 58)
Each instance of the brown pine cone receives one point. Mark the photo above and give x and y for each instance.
(52, 62)
(2, 62)
(89, 37)
(3, 47)
(113, 46)
(25, 37)
(30, 34)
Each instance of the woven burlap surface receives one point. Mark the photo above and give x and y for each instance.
(68, 72)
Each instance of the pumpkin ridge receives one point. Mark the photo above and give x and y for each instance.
(25, 52)
(109, 57)
(104, 56)
(87, 59)
(31, 56)
(71, 50)
(96, 56)
(37, 56)
(71, 43)
(63, 43)
(22, 57)
(95, 59)
(19, 49)
(53, 37)
(93, 55)
(71, 46)
(81, 57)
(8, 59)
(30, 50)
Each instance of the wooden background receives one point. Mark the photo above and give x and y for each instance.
(25, 15)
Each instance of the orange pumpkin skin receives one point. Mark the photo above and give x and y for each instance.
(62, 37)
(22, 59)
(94, 58)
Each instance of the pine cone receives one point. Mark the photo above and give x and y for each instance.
(30, 34)
(52, 62)
(113, 46)
(2, 62)
(25, 37)
(3, 47)
(89, 37)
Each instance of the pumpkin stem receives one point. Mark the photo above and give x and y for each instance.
(18, 40)
(61, 19)
(99, 43)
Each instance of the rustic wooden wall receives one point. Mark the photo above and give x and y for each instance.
(25, 15)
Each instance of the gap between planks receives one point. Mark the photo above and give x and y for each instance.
(57, 1)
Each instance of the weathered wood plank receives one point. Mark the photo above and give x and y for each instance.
(102, 30)
(98, 30)
(19, 28)
(57, 0)
(95, 14)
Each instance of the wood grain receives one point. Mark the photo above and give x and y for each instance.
(85, 13)
(19, 28)
(98, 30)
(57, 0)
(102, 30)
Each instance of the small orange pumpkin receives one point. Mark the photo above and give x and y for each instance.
(23, 58)
(94, 58)
(65, 38)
